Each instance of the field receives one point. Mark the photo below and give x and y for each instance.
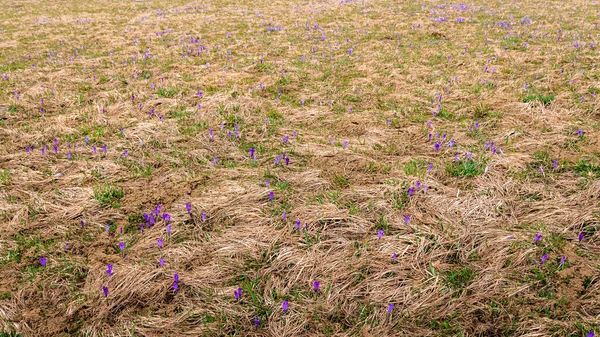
(299, 168)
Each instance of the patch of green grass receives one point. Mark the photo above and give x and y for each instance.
(166, 93)
(341, 180)
(382, 223)
(544, 99)
(459, 278)
(11, 333)
(108, 194)
(466, 168)
(415, 167)
(586, 168)
(5, 177)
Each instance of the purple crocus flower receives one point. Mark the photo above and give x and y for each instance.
(161, 262)
(43, 261)
(544, 258)
(271, 195)
(188, 207)
(590, 334)
(122, 246)
(298, 224)
(390, 308)
(203, 216)
(581, 236)
(256, 321)
(160, 243)
(82, 223)
(66, 245)
(285, 306)
(406, 219)
(562, 261)
(538, 237)
(104, 149)
(316, 286)
(69, 156)
(105, 291)
(380, 234)
(237, 293)
(109, 271)
(555, 165)
(394, 257)
(411, 191)
(580, 132)
(345, 144)
(175, 286)
(430, 167)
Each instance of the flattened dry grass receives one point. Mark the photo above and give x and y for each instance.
(204, 103)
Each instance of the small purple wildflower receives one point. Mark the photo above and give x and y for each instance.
(390, 308)
(562, 261)
(380, 234)
(544, 258)
(160, 243)
(43, 261)
(256, 321)
(581, 236)
(161, 262)
(316, 286)
(105, 291)
(109, 268)
(538, 237)
(188, 207)
(394, 257)
(285, 306)
(237, 293)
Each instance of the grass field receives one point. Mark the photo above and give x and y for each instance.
(299, 168)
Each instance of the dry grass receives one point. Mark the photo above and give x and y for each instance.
(353, 84)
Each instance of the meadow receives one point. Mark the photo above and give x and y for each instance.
(299, 168)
